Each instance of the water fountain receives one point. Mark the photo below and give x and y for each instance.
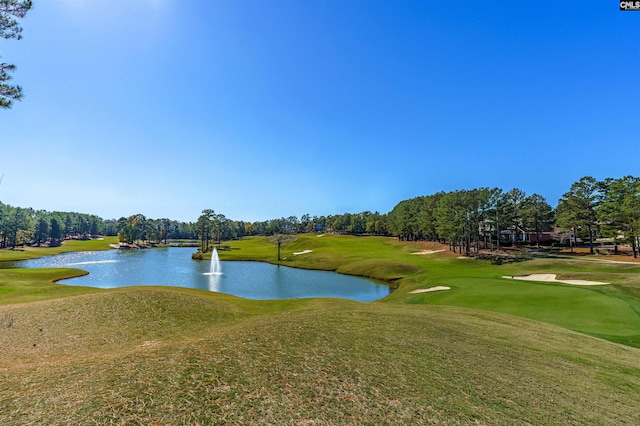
(215, 268)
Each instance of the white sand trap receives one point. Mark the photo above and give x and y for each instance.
(426, 290)
(427, 252)
(302, 252)
(551, 278)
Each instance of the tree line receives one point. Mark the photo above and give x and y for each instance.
(491, 217)
(212, 228)
(471, 219)
(608, 208)
(139, 228)
(352, 223)
(468, 220)
(21, 226)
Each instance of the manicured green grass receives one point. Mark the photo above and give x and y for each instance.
(29, 285)
(611, 312)
(374, 257)
(488, 351)
(24, 253)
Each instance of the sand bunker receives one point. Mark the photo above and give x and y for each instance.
(427, 252)
(551, 278)
(426, 290)
(302, 252)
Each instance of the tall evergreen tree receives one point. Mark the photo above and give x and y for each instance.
(56, 232)
(496, 213)
(203, 228)
(42, 231)
(10, 11)
(538, 214)
(577, 209)
(514, 206)
(427, 221)
(620, 209)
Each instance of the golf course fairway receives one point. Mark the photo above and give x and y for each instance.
(487, 350)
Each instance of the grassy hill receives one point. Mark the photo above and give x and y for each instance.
(488, 351)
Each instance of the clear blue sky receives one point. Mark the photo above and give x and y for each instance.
(264, 109)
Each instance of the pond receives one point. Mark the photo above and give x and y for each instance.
(174, 267)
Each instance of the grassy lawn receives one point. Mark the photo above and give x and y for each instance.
(488, 351)
(30, 285)
(174, 356)
(611, 312)
(24, 253)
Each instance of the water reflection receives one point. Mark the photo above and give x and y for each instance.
(214, 282)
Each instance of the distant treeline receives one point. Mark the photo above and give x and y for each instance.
(213, 228)
(472, 219)
(20, 226)
(466, 219)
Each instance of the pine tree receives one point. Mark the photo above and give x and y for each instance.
(10, 10)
